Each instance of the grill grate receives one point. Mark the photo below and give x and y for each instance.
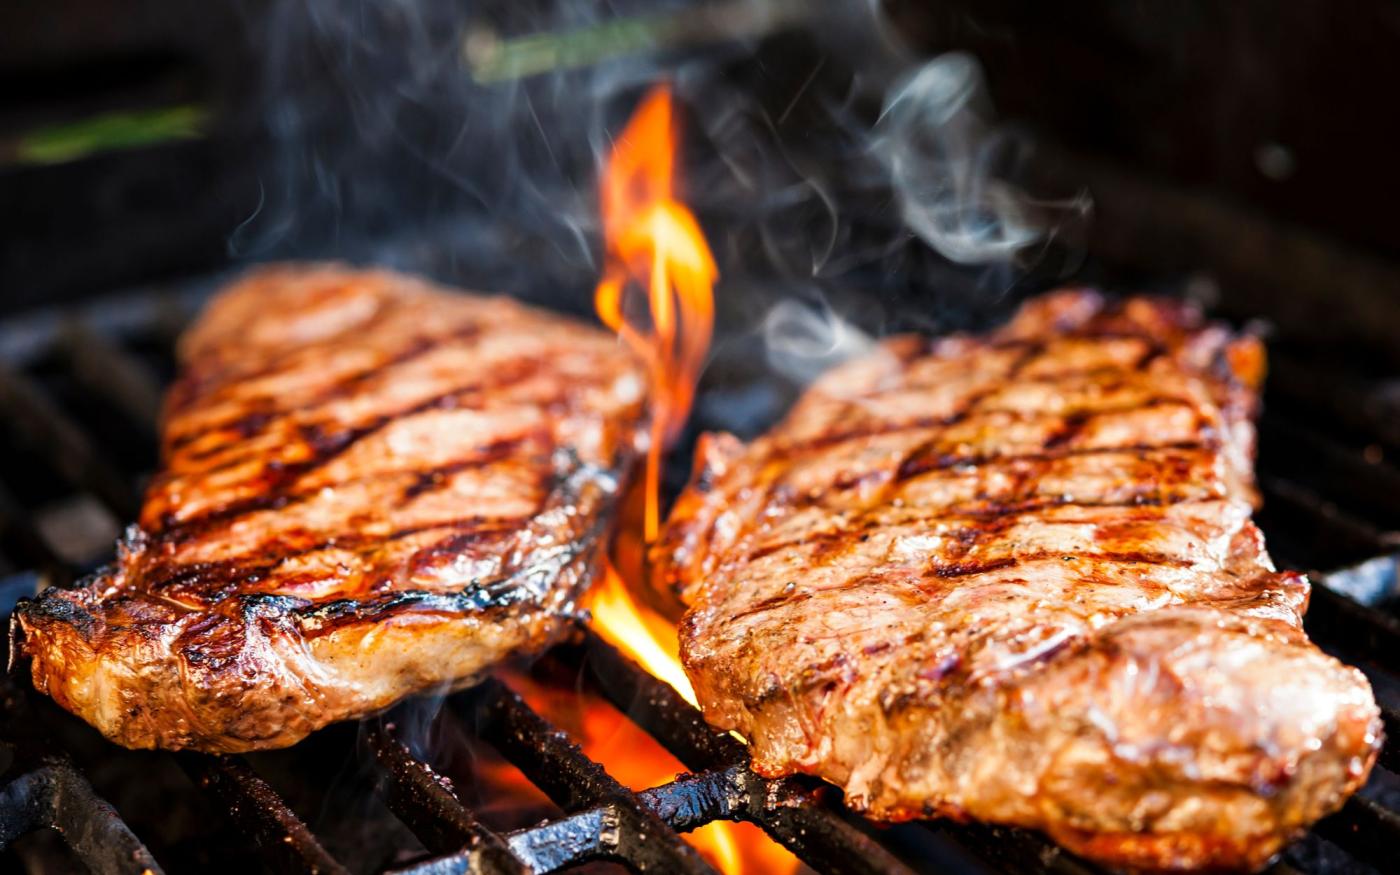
(1330, 497)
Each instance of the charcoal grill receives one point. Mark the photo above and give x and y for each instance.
(78, 393)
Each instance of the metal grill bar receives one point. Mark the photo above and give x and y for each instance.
(1366, 829)
(107, 370)
(1019, 851)
(46, 790)
(1328, 396)
(54, 795)
(1337, 618)
(1314, 523)
(64, 443)
(418, 796)
(1331, 469)
(689, 802)
(286, 843)
(555, 764)
(788, 809)
(1390, 754)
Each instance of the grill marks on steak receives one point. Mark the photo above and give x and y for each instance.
(1014, 578)
(369, 487)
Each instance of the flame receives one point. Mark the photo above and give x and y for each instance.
(653, 242)
(640, 633)
(638, 762)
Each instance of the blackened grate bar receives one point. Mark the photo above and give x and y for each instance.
(105, 367)
(55, 796)
(555, 764)
(422, 800)
(72, 452)
(1367, 829)
(726, 791)
(286, 843)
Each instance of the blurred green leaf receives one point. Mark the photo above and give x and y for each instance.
(115, 130)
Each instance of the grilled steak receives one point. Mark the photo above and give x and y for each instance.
(1014, 578)
(369, 487)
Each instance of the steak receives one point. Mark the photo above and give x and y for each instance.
(370, 487)
(1014, 579)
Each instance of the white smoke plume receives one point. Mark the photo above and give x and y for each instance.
(945, 154)
(804, 339)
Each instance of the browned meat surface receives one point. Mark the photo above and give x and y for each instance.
(370, 487)
(1014, 578)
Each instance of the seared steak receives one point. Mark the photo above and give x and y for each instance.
(369, 487)
(1014, 578)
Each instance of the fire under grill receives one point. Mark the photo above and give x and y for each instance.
(79, 391)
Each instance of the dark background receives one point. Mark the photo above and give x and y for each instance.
(1251, 143)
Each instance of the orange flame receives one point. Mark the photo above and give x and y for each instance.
(647, 637)
(638, 761)
(654, 242)
(642, 634)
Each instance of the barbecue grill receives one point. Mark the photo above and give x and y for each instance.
(81, 379)
(78, 389)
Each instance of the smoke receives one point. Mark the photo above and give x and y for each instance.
(826, 161)
(937, 150)
(396, 130)
(952, 167)
(464, 139)
(943, 157)
(378, 135)
(802, 340)
(415, 722)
